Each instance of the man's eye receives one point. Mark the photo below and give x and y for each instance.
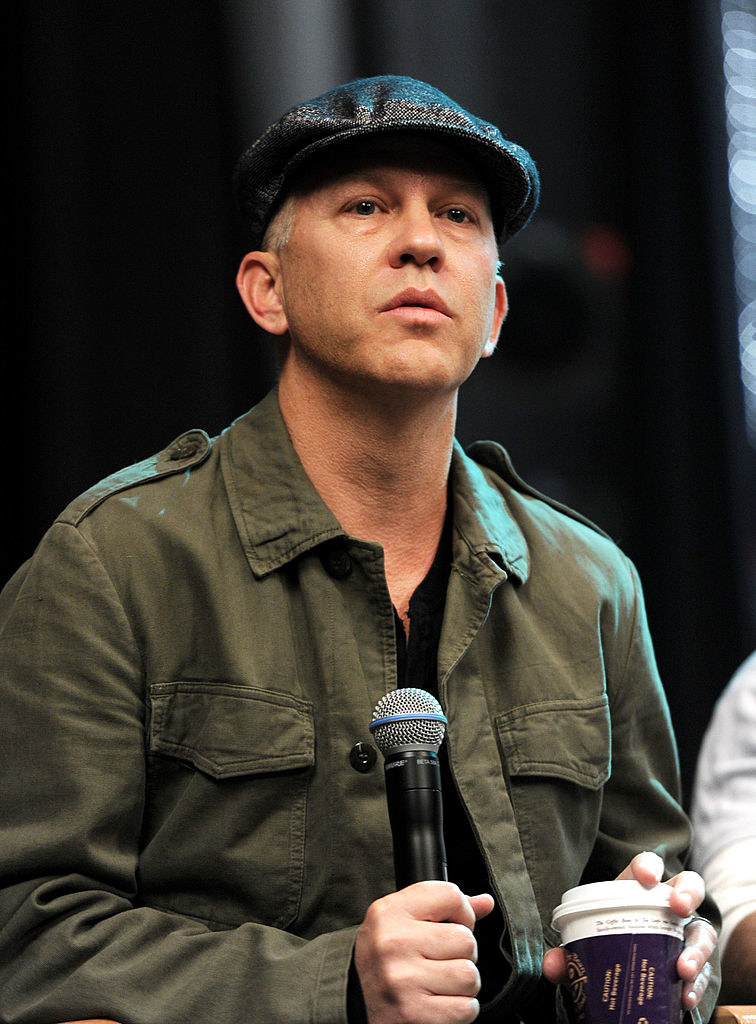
(456, 215)
(365, 207)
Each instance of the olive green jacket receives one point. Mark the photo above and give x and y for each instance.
(188, 661)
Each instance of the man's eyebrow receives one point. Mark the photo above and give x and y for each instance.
(365, 176)
(470, 185)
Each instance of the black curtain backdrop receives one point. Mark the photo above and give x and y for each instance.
(615, 386)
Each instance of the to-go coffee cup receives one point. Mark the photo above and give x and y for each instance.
(622, 942)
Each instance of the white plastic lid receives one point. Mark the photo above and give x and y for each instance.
(610, 896)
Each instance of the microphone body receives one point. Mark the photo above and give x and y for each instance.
(413, 794)
(408, 726)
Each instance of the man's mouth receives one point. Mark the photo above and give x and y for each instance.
(417, 298)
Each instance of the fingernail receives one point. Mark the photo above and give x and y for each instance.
(653, 862)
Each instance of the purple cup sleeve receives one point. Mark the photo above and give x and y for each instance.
(626, 978)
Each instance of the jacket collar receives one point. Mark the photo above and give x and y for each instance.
(483, 519)
(279, 513)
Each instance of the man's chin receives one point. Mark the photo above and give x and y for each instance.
(404, 389)
(425, 372)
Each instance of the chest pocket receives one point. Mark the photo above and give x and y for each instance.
(557, 755)
(230, 769)
(563, 739)
(226, 730)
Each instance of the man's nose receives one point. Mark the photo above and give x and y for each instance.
(417, 239)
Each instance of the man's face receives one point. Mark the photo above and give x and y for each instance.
(389, 276)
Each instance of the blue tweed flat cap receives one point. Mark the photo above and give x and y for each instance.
(374, 106)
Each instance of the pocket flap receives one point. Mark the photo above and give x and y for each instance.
(225, 729)
(567, 739)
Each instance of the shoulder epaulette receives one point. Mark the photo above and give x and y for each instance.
(493, 456)
(187, 451)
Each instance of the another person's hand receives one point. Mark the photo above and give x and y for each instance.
(415, 955)
(700, 937)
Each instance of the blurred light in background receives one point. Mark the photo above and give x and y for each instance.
(739, 40)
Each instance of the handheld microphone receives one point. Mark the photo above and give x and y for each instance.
(408, 726)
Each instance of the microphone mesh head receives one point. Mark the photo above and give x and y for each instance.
(408, 717)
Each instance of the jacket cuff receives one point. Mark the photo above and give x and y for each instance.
(333, 988)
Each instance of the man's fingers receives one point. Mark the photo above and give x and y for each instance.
(439, 1010)
(703, 935)
(440, 901)
(687, 887)
(482, 905)
(415, 955)
(444, 941)
(700, 940)
(693, 991)
(555, 966)
(688, 890)
(646, 868)
(451, 978)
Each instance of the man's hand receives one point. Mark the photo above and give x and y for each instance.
(700, 937)
(415, 955)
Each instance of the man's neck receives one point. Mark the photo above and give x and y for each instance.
(382, 468)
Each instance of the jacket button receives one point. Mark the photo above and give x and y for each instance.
(362, 757)
(336, 561)
(185, 447)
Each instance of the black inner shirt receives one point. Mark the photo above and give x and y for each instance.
(417, 665)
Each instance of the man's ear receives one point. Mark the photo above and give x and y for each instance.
(258, 282)
(500, 311)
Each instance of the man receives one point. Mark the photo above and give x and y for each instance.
(724, 816)
(195, 824)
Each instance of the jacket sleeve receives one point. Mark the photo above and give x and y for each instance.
(641, 800)
(75, 942)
